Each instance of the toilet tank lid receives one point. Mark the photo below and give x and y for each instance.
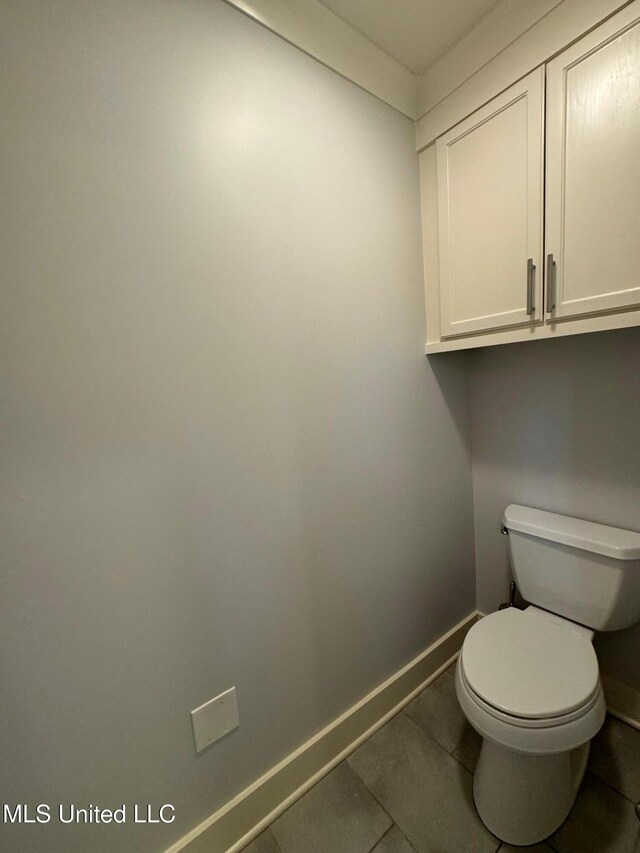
(586, 535)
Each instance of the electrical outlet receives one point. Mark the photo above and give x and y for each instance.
(214, 719)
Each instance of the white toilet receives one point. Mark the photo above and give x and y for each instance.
(528, 680)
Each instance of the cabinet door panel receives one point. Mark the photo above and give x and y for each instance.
(593, 169)
(490, 212)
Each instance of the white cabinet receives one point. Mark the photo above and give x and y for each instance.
(593, 170)
(490, 201)
(526, 240)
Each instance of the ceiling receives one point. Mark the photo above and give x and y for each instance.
(414, 32)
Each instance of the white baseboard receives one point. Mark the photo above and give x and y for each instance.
(243, 818)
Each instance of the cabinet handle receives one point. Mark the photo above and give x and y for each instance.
(531, 283)
(551, 284)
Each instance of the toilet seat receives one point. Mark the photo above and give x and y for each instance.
(535, 737)
(529, 722)
(509, 660)
(530, 666)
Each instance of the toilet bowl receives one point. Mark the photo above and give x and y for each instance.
(528, 680)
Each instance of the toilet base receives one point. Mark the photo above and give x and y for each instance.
(523, 798)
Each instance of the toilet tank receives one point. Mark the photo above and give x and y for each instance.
(586, 572)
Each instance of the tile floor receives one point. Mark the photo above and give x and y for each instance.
(408, 790)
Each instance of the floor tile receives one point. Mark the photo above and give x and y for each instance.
(438, 711)
(615, 757)
(393, 842)
(338, 815)
(468, 750)
(424, 789)
(264, 843)
(601, 821)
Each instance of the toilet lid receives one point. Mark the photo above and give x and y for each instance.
(528, 666)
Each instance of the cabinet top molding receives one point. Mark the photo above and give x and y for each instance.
(320, 33)
(563, 25)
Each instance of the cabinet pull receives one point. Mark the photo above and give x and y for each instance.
(531, 283)
(551, 284)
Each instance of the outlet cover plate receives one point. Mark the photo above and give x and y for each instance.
(215, 719)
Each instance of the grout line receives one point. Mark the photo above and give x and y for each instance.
(455, 757)
(353, 769)
(405, 837)
(393, 822)
(274, 839)
(594, 775)
(268, 831)
(432, 738)
(429, 735)
(393, 826)
(384, 834)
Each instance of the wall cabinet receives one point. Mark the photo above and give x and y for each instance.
(490, 204)
(522, 243)
(593, 172)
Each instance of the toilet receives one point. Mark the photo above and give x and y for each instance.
(528, 680)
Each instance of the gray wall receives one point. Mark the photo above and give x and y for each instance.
(225, 458)
(556, 425)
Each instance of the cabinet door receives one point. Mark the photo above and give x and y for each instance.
(593, 170)
(490, 170)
